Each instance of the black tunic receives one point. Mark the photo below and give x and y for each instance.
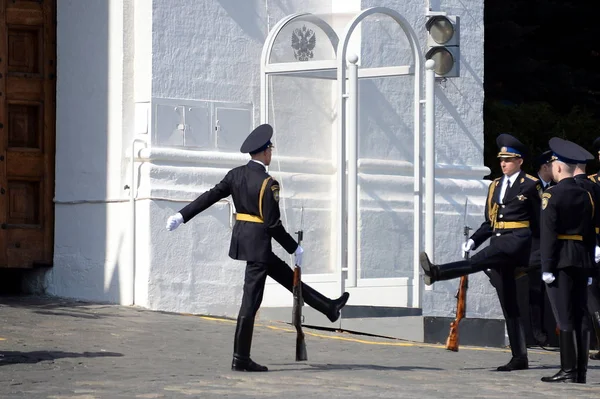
(250, 241)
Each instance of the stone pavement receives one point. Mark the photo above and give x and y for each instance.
(55, 348)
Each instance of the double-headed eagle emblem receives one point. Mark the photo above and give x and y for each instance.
(303, 43)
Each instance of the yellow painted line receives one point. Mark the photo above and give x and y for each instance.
(218, 319)
(369, 342)
(2, 339)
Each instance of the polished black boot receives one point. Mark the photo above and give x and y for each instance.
(596, 324)
(583, 347)
(518, 346)
(241, 346)
(448, 271)
(330, 308)
(568, 359)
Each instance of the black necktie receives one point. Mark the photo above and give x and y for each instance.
(506, 192)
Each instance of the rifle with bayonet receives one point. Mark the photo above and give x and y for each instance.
(299, 302)
(461, 297)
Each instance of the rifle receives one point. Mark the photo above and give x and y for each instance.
(299, 302)
(461, 297)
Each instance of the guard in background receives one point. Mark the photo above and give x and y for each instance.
(536, 286)
(567, 242)
(511, 220)
(594, 288)
(256, 198)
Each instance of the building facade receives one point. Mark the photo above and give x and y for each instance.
(153, 100)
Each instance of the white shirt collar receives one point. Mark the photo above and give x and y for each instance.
(259, 162)
(544, 183)
(512, 178)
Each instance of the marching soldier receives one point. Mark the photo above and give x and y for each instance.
(567, 241)
(256, 198)
(511, 220)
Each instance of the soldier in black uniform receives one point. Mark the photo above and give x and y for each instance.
(511, 220)
(567, 242)
(537, 291)
(594, 288)
(256, 198)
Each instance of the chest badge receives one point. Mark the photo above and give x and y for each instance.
(521, 197)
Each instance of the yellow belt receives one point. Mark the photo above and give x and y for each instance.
(597, 230)
(248, 218)
(511, 225)
(575, 237)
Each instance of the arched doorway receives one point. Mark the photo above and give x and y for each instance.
(322, 52)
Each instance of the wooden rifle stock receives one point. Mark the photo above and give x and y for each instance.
(301, 353)
(461, 299)
(297, 315)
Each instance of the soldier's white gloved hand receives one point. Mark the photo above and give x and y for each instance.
(590, 279)
(174, 221)
(597, 254)
(467, 246)
(298, 253)
(548, 277)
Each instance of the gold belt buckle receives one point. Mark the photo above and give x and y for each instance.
(500, 225)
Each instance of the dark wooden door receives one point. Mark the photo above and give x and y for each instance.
(27, 131)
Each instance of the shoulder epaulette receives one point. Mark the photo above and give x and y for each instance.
(531, 177)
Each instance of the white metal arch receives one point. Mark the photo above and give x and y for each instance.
(347, 191)
(352, 136)
(290, 67)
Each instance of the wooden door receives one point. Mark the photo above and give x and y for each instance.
(27, 132)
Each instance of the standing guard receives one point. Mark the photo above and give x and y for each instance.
(256, 198)
(567, 242)
(536, 287)
(511, 220)
(594, 288)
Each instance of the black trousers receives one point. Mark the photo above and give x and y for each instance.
(537, 295)
(278, 270)
(593, 303)
(568, 298)
(254, 288)
(502, 275)
(254, 283)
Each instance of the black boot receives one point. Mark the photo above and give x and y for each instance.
(316, 300)
(448, 271)
(583, 347)
(596, 324)
(241, 346)
(518, 346)
(568, 359)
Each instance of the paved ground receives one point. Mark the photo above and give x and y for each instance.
(54, 348)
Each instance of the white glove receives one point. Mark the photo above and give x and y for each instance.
(548, 277)
(590, 279)
(467, 246)
(298, 253)
(174, 221)
(597, 254)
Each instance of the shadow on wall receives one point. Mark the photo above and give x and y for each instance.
(82, 160)
(386, 118)
(239, 11)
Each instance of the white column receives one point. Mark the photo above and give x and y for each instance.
(352, 187)
(429, 158)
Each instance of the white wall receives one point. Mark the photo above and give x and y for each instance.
(95, 113)
(207, 58)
